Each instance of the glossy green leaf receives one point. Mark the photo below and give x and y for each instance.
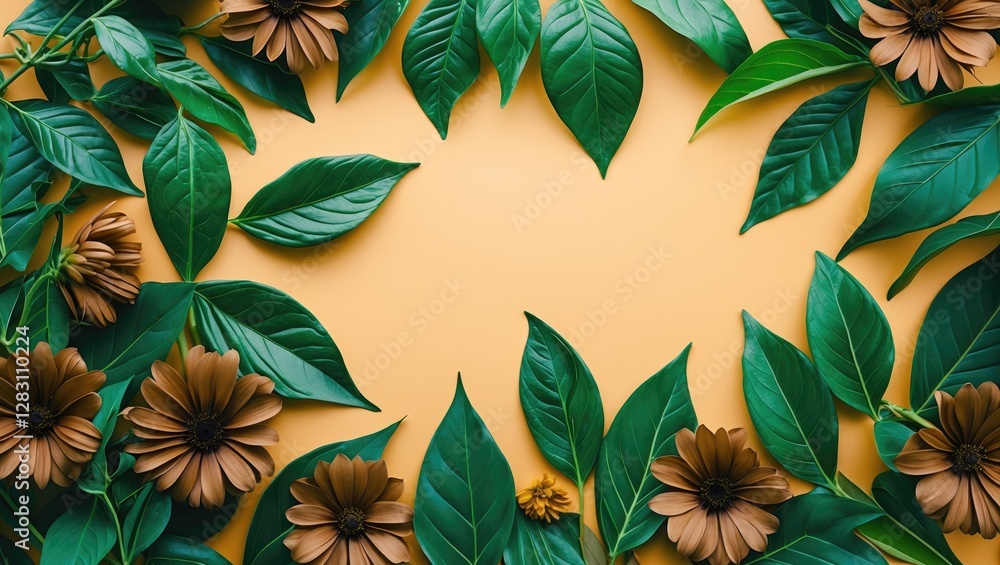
(162, 30)
(849, 337)
(791, 407)
(508, 29)
(710, 24)
(139, 108)
(97, 477)
(269, 526)
(320, 199)
(25, 176)
(145, 521)
(593, 550)
(465, 504)
(127, 48)
(592, 74)
(41, 16)
(75, 142)
(943, 238)
(12, 304)
(809, 19)
(642, 432)
(46, 314)
(441, 57)
(932, 175)
(201, 95)
(849, 11)
(187, 178)
(970, 96)
(175, 550)
(369, 23)
(260, 76)
(83, 535)
(890, 437)
(561, 402)
(959, 341)
(275, 337)
(66, 81)
(811, 152)
(776, 65)
(540, 543)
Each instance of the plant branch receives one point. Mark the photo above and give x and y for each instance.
(118, 525)
(907, 414)
(14, 508)
(196, 27)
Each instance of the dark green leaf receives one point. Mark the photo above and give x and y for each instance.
(189, 193)
(849, 11)
(175, 550)
(46, 314)
(320, 199)
(83, 535)
(808, 19)
(275, 337)
(12, 304)
(139, 108)
(97, 477)
(66, 81)
(161, 30)
(791, 408)
(592, 74)
(41, 16)
(200, 524)
(890, 437)
(465, 503)
(25, 176)
(127, 48)
(13, 555)
(593, 550)
(369, 23)
(643, 431)
(145, 521)
(970, 96)
(811, 152)
(710, 24)
(539, 543)
(932, 175)
(508, 30)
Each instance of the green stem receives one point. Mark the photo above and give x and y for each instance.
(193, 328)
(907, 414)
(196, 27)
(583, 524)
(182, 345)
(13, 508)
(118, 525)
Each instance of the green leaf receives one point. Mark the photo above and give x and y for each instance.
(465, 502)
(12, 305)
(96, 478)
(189, 193)
(161, 30)
(811, 152)
(849, 337)
(66, 81)
(275, 337)
(561, 402)
(959, 341)
(145, 521)
(11, 554)
(593, 549)
(260, 76)
(508, 30)
(201, 95)
(320, 199)
(710, 24)
(175, 550)
(144, 332)
(971, 96)
(139, 108)
(369, 23)
(890, 437)
(540, 543)
(778, 64)
(25, 176)
(849, 11)
(642, 432)
(75, 142)
(932, 175)
(943, 238)
(791, 408)
(41, 16)
(83, 535)
(269, 526)
(46, 314)
(808, 19)
(441, 57)
(127, 48)
(592, 74)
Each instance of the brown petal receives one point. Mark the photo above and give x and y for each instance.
(688, 451)
(154, 420)
(981, 507)
(389, 513)
(237, 470)
(974, 48)
(156, 459)
(256, 456)
(378, 478)
(936, 491)
(393, 489)
(690, 538)
(311, 543)
(213, 492)
(42, 469)
(389, 546)
(257, 434)
(674, 503)
(342, 480)
(735, 545)
(709, 541)
(884, 16)
(890, 49)
(310, 515)
(675, 472)
(957, 512)
(761, 519)
(257, 410)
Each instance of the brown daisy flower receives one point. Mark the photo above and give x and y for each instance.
(204, 435)
(96, 269)
(542, 500)
(717, 488)
(301, 29)
(349, 515)
(959, 461)
(932, 37)
(62, 399)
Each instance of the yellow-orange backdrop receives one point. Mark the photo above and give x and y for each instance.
(508, 215)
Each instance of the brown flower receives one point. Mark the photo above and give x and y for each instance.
(349, 515)
(299, 28)
(204, 435)
(717, 487)
(931, 37)
(97, 267)
(960, 461)
(62, 399)
(542, 500)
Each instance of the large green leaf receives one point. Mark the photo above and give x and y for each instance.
(465, 504)
(791, 408)
(127, 48)
(561, 402)
(441, 57)
(202, 96)
(65, 81)
(932, 175)
(890, 437)
(187, 178)
(508, 29)
(643, 431)
(175, 550)
(97, 477)
(942, 239)
(269, 526)
(320, 199)
(46, 314)
(83, 535)
(41, 16)
(145, 521)
(275, 337)
(592, 74)
(369, 23)
(260, 76)
(540, 543)
(75, 142)
(25, 176)
(710, 24)
(807, 19)
(959, 341)
(811, 152)
(970, 96)
(135, 106)
(849, 337)
(593, 550)
(777, 65)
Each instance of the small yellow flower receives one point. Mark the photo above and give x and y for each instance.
(542, 500)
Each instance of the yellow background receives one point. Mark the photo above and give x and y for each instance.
(461, 218)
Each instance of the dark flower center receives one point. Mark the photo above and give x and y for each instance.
(928, 19)
(285, 7)
(541, 492)
(351, 522)
(716, 493)
(205, 432)
(40, 421)
(968, 458)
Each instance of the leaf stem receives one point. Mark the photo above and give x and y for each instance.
(193, 328)
(907, 414)
(182, 345)
(583, 523)
(196, 27)
(118, 525)
(13, 508)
